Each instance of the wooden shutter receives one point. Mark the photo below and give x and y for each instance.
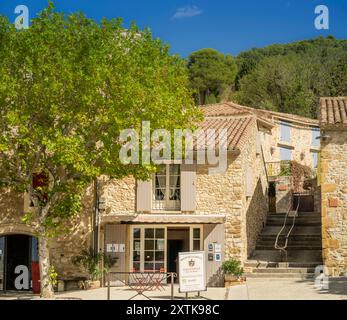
(144, 196)
(249, 182)
(188, 187)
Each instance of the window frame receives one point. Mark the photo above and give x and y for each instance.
(142, 238)
(167, 204)
(285, 125)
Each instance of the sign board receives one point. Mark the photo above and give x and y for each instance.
(218, 257)
(192, 274)
(217, 247)
(112, 247)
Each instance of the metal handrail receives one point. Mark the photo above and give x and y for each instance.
(283, 249)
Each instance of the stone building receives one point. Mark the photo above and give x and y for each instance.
(144, 224)
(155, 222)
(333, 122)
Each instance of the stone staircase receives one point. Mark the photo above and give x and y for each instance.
(304, 251)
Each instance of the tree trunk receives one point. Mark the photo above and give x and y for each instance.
(46, 287)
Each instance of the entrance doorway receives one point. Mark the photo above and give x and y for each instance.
(178, 239)
(18, 258)
(17, 254)
(272, 197)
(155, 248)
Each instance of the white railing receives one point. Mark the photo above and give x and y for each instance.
(283, 249)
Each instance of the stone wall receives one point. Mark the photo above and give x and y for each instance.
(255, 206)
(301, 144)
(334, 201)
(284, 194)
(64, 247)
(222, 194)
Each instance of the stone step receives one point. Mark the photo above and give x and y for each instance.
(297, 223)
(302, 256)
(299, 213)
(284, 270)
(294, 239)
(298, 230)
(290, 247)
(274, 264)
(301, 276)
(302, 237)
(290, 244)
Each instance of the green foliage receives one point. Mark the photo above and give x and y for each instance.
(232, 267)
(53, 276)
(92, 262)
(286, 171)
(68, 86)
(292, 77)
(210, 72)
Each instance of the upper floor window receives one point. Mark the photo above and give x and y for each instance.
(285, 132)
(315, 159)
(285, 154)
(167, 188)
(315, 137)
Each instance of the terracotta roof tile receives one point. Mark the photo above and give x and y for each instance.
(333, 111)
(231, 108)
(222, 109)
(238, 129)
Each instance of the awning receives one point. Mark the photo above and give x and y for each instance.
(165, 219)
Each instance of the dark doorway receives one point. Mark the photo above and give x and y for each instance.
(173, 248)
(17, 253)
(306, 202)
(272, 197)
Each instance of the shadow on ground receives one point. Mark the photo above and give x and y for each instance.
(337, 286)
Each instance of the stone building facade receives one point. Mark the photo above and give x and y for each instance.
(228, 208)
(292, 137)
(144, 224)
(333, 120)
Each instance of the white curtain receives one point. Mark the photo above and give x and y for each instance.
(174, 176)
(161, 179)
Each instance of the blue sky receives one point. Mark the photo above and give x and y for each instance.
(230, 26)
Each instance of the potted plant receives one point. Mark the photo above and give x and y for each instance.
(232, 272)
(95, 264)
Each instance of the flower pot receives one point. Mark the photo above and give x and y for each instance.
(230, 280)
(89, 284)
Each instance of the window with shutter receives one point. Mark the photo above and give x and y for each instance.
(167, 188)
(249, 182)
(144, 196)
(188, 180)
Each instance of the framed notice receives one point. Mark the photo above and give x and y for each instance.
(218, 257)
(192, 273)
(217, 247)
(112, 247)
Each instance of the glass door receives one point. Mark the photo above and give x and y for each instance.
(154, 254)
(148, 249)
(2, 263)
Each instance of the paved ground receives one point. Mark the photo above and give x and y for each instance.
(288, 289)
(254, 289)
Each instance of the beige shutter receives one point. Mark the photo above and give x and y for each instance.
(188, 187)
(144, 196)
(249, 182)
(258, 144)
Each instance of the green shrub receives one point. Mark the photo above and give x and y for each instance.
(91, 261)
(232, 267)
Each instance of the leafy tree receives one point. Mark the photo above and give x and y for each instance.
(291, 78)
(210, 73)
(68, 86)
